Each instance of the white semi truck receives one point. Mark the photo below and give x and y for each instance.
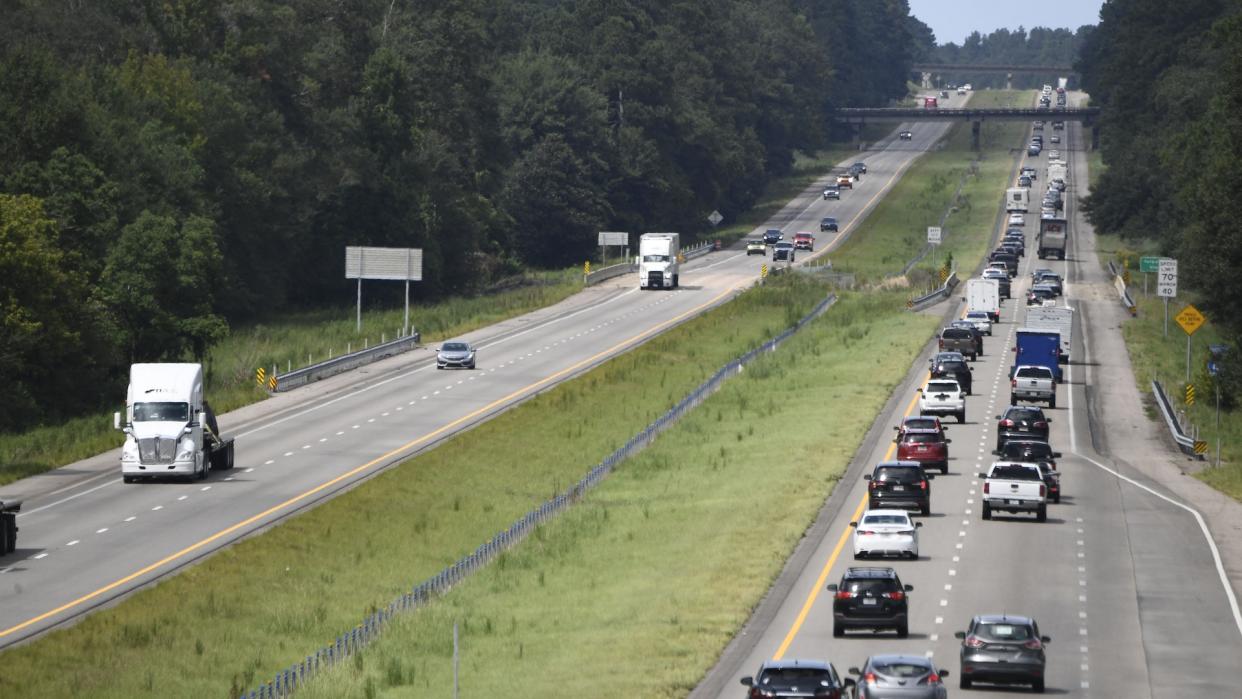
(1053, 236)
(659, 260)
(170, 430)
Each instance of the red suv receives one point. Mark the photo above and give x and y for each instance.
(804, 241)
(928, 447)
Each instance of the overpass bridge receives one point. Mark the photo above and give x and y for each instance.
(863, 115)
(927, 70)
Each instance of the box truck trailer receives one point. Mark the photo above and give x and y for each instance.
(659, 260)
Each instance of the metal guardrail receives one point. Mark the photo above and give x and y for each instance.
(918, 304)
(347, 644)
(345, 362)
(896, 114)
(611, 271)
(1184, 441)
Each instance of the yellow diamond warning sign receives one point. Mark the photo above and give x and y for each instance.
(1190, 319)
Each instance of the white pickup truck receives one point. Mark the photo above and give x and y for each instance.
(943, 397)
(1012, 486)
(1033, 383)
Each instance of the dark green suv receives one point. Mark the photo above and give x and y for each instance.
(870, 598)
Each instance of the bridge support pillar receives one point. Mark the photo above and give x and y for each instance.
(927, 80)
(975, 127)
(1008, 81)
(1095, 137)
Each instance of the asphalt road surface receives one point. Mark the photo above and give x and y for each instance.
(86, 538)
(1120, 576)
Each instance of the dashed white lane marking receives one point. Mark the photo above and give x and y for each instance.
(288, 453)
(306, 446)
(101, 531)
(157, 507)
(37, 556)
(952, 572)
(323, 439)
(384, 414)
(435, 393)
(371, 420)
(205, 488)
(269, 462)
(939, 620)
(131, 518)
(354, 427)
(75, 542)
(229, 478)
(249, 470)
(948, 586)
(423, 398)
(183, 497)
(944, 603)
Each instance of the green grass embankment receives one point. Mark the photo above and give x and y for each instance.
(291, 341)
(1155, 356)
(633, 592)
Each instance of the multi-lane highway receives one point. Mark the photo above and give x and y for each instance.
(1121, 576)
(87, 538)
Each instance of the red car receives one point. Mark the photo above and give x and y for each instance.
(926, 446)
(804, 241)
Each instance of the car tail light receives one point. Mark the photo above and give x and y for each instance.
(843, 594)
(987, 488)
(942, 343)
(1033, 644)
(866, 532)
(1006, 423)
(1040, 425)
(895, 596)
(1013, 383)
(758, 693)
(973, 642)
(922, 485)
(1043, 490)
(874, 484)
(870, 678)
(933, 678)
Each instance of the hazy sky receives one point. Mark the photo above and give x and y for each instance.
(953, 20)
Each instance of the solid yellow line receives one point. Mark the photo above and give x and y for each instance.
(319, 488)
(832, 560)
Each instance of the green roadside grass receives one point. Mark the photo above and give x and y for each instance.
(897, 230)
(231, 364)
(1155, 356)
(632, 592)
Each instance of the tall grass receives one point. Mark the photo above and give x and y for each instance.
(291, 341)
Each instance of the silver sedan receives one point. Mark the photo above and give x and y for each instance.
(900, 677)
(455, 354)
(886, 533)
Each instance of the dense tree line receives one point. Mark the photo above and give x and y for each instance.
(1039, 46)
(1169, 84)
(171, 167)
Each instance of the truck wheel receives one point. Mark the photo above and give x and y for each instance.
(1052, 402)
(925, 510)
(676, 281)
(1041, 515)
(961, 417)
(128, 479)
(903, 631)
(837, 631)
(964, 682)
(1012, 399)
(1057, 498)
(987, 511)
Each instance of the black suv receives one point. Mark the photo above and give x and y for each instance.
(870, 598)
(828, 223)
(772, 236)
(797, 678)
(899, 484)
(951, 365)
(1003, 648)
(1028, 449)
(1021, 422)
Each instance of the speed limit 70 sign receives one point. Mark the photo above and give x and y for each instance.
(1166, 278)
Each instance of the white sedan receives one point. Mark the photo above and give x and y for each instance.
(1017, 220)
(886, 533)
(981, 321)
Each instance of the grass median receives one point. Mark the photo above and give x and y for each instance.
(1155, 356)
(632, 592)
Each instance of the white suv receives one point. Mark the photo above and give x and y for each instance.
(943, 397)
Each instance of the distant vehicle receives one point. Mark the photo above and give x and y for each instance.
(845, 181)
(958, 340)
(1014, 487)
(1028, 171)
(952, 365)
(918, 422)
(1038, 295)
(870, 598)
(1028, 450)
(1038, 125)
(899, 484)
(1053, 235)
(1003, 648)
(1021, 422)
(779, 679)
(804, 240)
(886, 533)
(783, 251)
(170, 429)
(905, 135)
(1038, 347)
(982, 321)
(961, 90)
(1017, 200)
(930, 103)
(900, 677)
(943, 397)
(1017, 219)
(1033, 383)
(860, 166)
(1058, 125)
(944, 94)
(1002, 279)
(962, 323)
(928, 447)
(756, 246)
(772, 236)
(1055, 139)
(659, 261)
(827, 223)
(832, 192)
(455, 354)
(1024, 181)
(1057, 318)
(1033, 149)
(983, 295)
(967, 86)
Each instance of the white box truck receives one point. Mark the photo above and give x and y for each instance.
(1058, 318)
(984, 295)
(1017, 199)
(169, 428)
(1057, 170)
(659, 260)
(1053, 234)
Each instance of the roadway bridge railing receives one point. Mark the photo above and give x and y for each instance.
(858, 115)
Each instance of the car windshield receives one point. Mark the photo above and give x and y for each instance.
(977, 315)
(1015, 473)
(926, 423)
(161, 412)
(830, 220)
(957, 334)
(885, 519)
(786, 676)
(1037, 450)
(900, 669)
(1024, 414)
(455, 347)
(924, 438)
(899, 474)
(1034, 372)
(942, 386)
(1003, 632)
(875, 587)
